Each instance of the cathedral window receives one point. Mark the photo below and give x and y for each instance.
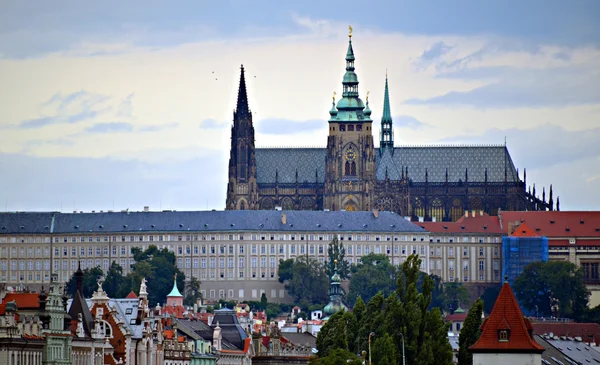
(347, 168)
(353, 169)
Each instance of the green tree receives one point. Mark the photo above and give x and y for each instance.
(159, 268)
(336, 251)
(489, 297)
(455, 295)
(90, 282)
(263, 301)
(543, 286)
(373, 274)
(192, 292)
(308, 283)
(470, 332)
(285, 270)
(333, 335)
(384, 350)
(113, 281)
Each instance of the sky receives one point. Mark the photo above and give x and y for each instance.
(125, 104)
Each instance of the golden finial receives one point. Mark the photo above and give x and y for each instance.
(350, 31)
(368, 92)
(335, 261)
(333, 97)
(175, 276)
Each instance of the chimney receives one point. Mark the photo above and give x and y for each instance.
(283, 218)
(473, 213)
(466, 214)
(481, 212)
(375, 213)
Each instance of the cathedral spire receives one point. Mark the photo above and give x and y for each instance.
(387, 135)
(242, 109)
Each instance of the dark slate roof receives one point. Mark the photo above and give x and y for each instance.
(211, 221)
(79, 305)
(457, 159)
(301, 339)
(25, 222)
(231, 329)
(436, 159)
(199, 328)
(285, 161)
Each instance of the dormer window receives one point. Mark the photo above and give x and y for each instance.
(503, 335)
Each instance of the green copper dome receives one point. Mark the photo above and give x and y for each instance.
(175, 292)
(350, 108)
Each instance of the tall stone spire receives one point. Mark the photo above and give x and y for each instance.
(242, 110)
(387, 134)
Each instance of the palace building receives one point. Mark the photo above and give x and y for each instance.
(428, 183)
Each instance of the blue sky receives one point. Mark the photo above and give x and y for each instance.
(125, 104)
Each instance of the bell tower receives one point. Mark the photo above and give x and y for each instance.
(242, 189)
(350, 158)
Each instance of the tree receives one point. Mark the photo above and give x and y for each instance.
(263, 301)
(375, 273)
(405, 311)
(336, 251)
(489, 297)
(455, 295)
(90, 282)
(384, 350)
(285, 270)
(553, 287)
(308, 282)
(159, 268)
(470, 332)
(192, 292)
(114, 280)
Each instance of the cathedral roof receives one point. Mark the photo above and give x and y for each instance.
(224, 221)
(458, 160)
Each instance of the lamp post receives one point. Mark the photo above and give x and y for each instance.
(403, 358)
(370, 334)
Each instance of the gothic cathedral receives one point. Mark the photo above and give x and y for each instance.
(426, 183)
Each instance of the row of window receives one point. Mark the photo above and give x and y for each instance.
(250, 237)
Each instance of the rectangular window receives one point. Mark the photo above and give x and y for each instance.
(481, 265)
(221, 262)
(465, 251)
(451, 265)
(241, 261)
(263, 262)
(450, 251)
(480, 251)
(212, 263)
(253, 262)
(465, 265)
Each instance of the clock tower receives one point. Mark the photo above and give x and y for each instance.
(350, 157)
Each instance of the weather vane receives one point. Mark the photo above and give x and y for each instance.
(333, 97)
(368, 92)
(350, 31)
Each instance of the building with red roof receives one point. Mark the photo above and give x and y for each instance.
(506, 335)
(572, 236)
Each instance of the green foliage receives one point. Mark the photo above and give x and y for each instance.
(159, 268)
(470, 332)
(543, 286)
(308, 282)
(192, 292)
(337, 357)
(375, 273)
(336, 251)
(90, 282)
(405, 311)
(285, 270)
(489, 297)
(114, 281)
(384, 350)
(455, 295)
(263, 301)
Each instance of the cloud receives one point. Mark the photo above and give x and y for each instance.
(77, 107)
(286, 126)
(432, 54)
(212, 124)
(410, 122)
(167, 183)
(543, 146)
(158, 128)
(115, 127)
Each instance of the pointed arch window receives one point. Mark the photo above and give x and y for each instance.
(353, 168)
(347, 168)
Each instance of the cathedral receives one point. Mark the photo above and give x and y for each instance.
(425, 183)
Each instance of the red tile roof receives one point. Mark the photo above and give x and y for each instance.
(524, 231)
(131, 295)
(471, 224)
(506, 314)
(177, 311)
(589, 332)
(24, 301)
(555, 224)
(456, 317)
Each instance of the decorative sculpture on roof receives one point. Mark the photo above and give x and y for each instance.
(143, 288)
(350, 31)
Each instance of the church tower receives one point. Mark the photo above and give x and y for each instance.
(387, 133)
(242, 190)
(350, 159)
